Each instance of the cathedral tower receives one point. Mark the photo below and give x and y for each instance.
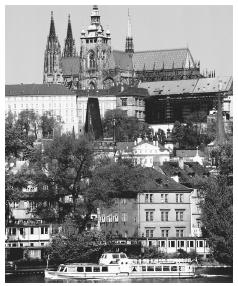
(52, 70)
(129, 39)
(69, 47)
(94, 53)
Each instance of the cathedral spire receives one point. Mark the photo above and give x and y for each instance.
(129, 39)
(52, 69)
(52, 27)
(69, 48)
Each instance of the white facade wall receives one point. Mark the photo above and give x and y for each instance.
(59, 105)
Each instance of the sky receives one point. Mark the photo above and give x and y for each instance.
(206, 30)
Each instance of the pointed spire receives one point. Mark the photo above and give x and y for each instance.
(52, 27)
(129, 39)
(69, 29)
(69, 48)
(129, 25)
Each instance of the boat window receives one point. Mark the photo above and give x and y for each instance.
(88, 269)
(61, 268)
(123, 256)
(143, 268)
(65, 270)
(134, 269)
(150, 268)
(158, 268)
(115, 256)
(96, 269)
(165, 268)
(173, 268)
(104, 269)
(181, 268)
(79, 269)
(105, 256)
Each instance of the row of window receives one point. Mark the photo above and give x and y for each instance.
(21, 244)
(164, 215)
(182, 243)
(149, 233)
(179, 198)
(22, 230)
(114, 218)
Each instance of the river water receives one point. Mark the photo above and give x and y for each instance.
(208, 275)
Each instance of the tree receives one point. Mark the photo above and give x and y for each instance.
(14, 183)
(74, 246)
(28, 123)
(48, 124)
(161, 136)
(63, 169)
(126, 128)
(217, 207)
(17, 142)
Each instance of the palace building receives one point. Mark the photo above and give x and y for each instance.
(98, 66)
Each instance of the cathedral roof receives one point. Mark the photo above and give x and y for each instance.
(119, 59)
(70, 65)
(36, 89)
(159, 59)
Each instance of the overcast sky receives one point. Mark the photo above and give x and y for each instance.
(206, 30)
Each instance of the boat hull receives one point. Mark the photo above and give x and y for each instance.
(57, 275)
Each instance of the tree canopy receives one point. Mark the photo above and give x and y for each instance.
(126, 128)
(217, 207)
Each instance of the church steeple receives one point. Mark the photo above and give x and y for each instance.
(69, 48)
(52, 71)
(129, 39)
(52, 34)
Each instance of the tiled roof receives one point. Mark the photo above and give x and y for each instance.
(119, 59)
(159, 182)
(36, 89)
(169, 87)
(212, 84)
(125, 146)
(70, 65)
(189, 153)
(191, 86)
(159, 59)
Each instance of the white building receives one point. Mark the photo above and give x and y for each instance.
(40, 98)
(143, 152)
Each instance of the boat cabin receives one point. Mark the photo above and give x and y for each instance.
(114, 258)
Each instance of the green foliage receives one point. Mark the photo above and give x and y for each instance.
(86, 246)
(13, 190)
(125, 128)
(63, 169)
(189, 136)
(217, 208)
(18, 140)
(49, 124)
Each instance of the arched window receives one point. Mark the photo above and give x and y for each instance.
(91, 60)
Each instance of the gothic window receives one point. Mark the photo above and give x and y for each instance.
(91, 60)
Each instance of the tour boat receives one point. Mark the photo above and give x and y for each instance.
(118, 265)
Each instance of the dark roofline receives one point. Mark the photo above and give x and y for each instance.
(186, 189)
